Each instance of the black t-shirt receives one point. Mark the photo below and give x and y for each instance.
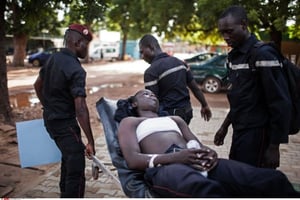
(167, 78)
(63, 80)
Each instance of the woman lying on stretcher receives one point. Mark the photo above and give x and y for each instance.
(176, 164)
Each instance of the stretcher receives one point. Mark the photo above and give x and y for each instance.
(131, 181)
(99, 167)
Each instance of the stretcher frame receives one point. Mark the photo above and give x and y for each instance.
(130, 181)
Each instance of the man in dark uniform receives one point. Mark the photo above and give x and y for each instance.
(168, 78)
(260, 105)
(60, 87)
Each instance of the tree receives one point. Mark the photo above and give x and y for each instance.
(168, 17)
(196, 20)
(88, 12)
(137, 17)
(171, 19)
(5, 109)
(270, 16)
(279, 12)
(129, 18)
(21, 18)
(25, 18)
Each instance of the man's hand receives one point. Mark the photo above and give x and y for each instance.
(89, 150)
(206, 113)
(220, 136)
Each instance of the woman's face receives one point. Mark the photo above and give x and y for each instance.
(146, 99)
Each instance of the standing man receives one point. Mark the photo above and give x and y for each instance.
(168, 78)
(260, 105)
(60, 87)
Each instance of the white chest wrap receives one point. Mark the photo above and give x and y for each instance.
(153, 125)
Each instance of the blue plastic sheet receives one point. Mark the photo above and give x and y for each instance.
(35, 145)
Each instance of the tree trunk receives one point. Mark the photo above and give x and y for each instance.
(20, 43)
(124, 39)
(5, 109)
(276, 36)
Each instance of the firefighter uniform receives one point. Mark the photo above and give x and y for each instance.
(260, 106)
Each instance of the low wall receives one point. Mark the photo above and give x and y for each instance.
(291, 50)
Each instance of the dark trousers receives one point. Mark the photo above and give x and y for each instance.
(249, 145)
(72, 178)
(185, 113)
(228, 179)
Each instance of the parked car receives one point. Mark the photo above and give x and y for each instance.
(200, 57)
(211, 73)
(40, 58)
(104, 53)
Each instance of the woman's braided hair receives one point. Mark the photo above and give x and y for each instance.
(125, 109)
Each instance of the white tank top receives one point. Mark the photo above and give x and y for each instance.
(157, 124)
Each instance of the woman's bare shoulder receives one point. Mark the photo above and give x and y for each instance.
(176, 118)
(132, 120)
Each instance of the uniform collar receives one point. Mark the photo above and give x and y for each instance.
(68, 52)
(245, 48)
(159, 56)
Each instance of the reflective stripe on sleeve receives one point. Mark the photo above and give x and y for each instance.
(268, 63)
(239, 66)
(166, 73)
(261, 63)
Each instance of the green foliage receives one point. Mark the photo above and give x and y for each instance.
(168, 17)
(294, 32)
(191, 20)
(89, 12)
(30, 17)
(128, 17)
(263, 15)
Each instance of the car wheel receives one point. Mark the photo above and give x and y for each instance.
(36, 63)
(211, 85)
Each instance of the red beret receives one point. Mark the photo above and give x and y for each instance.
(83, 30)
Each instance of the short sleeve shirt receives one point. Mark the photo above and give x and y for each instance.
(63, 80)
(167, 78)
